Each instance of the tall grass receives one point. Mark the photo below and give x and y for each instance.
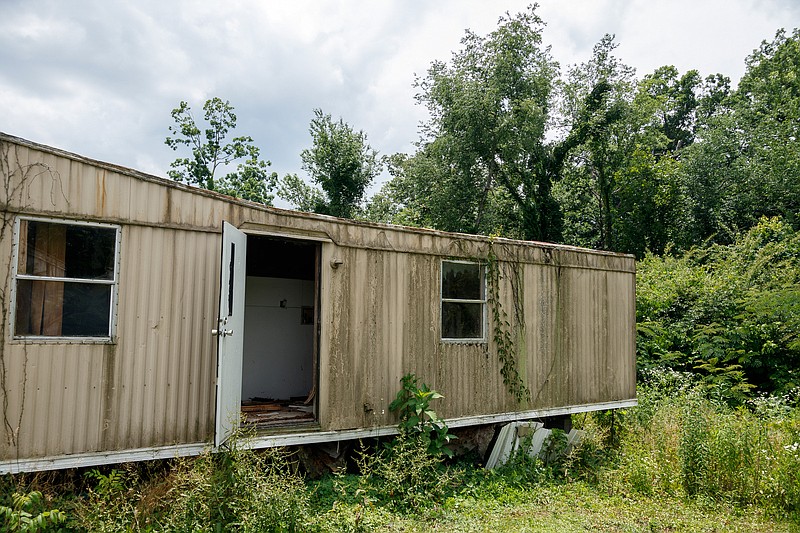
(679, 442)
(237, 490)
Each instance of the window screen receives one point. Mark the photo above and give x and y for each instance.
(463, 301)
(65, 279)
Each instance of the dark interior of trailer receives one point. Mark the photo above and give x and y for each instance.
(279, 370)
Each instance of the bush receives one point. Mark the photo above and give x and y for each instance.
(730, 315)
(29, 513)
(403, 475)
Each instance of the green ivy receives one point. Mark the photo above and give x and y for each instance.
(501, 332)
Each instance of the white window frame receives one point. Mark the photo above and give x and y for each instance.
(443, 300)
(114, 283)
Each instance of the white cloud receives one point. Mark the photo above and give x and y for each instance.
(100, 78)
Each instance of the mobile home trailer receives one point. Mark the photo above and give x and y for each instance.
(143, 319)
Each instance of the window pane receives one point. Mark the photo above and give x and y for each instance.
(90, 252)
(42, 249)
(462, 320)
(58, 309)
(65, 250)
(462, 281)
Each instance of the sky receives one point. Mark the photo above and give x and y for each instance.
(100, 78)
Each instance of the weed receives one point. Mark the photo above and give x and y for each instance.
(586, 460)
(403, 475)
(236, 490)
(111, 505)
(417, 419)
(240, 490)
(689, 445)
(28, 513)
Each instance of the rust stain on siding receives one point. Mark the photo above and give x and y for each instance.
(109, 390)
(101, 208)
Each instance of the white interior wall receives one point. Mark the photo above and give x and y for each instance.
(277, 347)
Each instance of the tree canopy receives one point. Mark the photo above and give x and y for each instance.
(485, 142)
(212, 152)
(340, 162)
(596, 157)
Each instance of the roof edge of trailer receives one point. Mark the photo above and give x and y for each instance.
(137, 174)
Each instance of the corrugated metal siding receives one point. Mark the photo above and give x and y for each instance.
(155, 386)
(164, 378)
(60, 411)
(380, 312)
(575, 347)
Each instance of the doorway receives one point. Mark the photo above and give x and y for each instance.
(281, 317)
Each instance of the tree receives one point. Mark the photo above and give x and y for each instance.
(611, 128)
(767, 107)
(426, 190)
(489, 109)
(671, 103)
(488, 139)
(340, 162)
(627, 187)
(746, 161)
(210, 153)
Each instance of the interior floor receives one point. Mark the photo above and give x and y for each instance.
(275, 413)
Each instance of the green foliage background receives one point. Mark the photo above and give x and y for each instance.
(728, 313)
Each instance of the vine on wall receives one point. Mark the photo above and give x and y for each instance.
(15, 178)
(507, 349)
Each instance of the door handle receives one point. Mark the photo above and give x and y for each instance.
(222, 332)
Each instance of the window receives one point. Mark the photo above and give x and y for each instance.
(65, 279)
(463, 301)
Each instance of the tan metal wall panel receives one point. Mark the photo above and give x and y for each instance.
(575, 347)
(55, 399)
(166, 371)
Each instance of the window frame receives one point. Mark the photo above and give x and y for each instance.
(113, 283)
(442, 300)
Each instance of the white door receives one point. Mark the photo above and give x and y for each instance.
(230, 332)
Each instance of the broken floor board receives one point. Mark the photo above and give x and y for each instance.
(276, 413)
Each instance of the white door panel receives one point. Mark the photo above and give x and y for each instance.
(230, 332)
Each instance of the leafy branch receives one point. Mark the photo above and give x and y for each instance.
(25, 515)
(210, 152)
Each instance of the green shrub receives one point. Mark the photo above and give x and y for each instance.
(236, 490)
(403, 475)
(728, 314)
(28, 513)
(111, 505)
(417, 419)
(240, 490)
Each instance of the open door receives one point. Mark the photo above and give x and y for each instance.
(230, 332)
(279, 363)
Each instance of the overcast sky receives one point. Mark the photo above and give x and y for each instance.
(100, 78)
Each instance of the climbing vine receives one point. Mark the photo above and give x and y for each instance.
(507, 349)
(15, 178)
